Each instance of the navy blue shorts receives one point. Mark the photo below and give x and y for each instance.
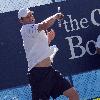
(46, 82)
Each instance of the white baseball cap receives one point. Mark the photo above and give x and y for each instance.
(23, 12)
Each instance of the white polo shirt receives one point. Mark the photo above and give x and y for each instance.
(35, 44)
(98, 42)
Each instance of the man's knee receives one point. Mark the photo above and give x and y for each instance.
(71, 93)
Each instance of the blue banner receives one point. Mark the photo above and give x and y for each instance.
(77, 36)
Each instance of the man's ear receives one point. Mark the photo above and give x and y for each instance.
(21, 21)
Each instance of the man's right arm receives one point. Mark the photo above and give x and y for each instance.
(44, 25)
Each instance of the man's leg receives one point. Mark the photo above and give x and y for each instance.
(71, 94)
(40, 82)
(63, 87)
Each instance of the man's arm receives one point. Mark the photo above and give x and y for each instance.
(51, 35)
(98, 50)
(44, 25)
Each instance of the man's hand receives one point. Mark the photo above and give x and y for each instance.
(51, 35)
(59, 16)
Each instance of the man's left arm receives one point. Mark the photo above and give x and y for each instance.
(51, 35)
(44, 25)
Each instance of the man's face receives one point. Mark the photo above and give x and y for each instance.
(28, 19)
